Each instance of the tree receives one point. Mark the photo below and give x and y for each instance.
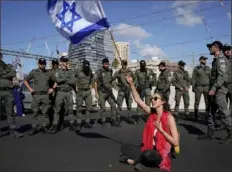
(115, 64)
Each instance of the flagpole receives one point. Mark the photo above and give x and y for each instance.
(112, 37)
(111, 33)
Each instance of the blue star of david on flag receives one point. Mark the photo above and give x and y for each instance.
(77, 20)
(75, 16)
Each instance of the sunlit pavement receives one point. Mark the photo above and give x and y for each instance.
(98, 149)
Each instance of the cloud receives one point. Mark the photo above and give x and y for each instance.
(148, 51)
(229, 15)
(131, 32)
(188, 19)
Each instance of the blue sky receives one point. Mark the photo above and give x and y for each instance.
(21, 21)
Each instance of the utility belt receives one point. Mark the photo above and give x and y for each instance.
(40, 93)
(5, 89)
(83, 89)
(63, 89)
(202, 85)
(103, 90)
(162, 90)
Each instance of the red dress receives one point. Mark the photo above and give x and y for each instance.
(161, 143)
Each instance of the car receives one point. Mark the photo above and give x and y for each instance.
(28, 99)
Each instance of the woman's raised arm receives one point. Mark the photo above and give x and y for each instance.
(136, 96)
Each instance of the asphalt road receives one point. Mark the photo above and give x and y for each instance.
(98, 149)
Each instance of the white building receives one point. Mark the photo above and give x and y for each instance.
(151, 64)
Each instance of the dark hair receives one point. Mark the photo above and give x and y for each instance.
(166, 106)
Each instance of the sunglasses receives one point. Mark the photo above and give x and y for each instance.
(155, 98)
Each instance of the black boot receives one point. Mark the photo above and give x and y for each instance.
(44, 129)
(176, 115)
(15, 133)
(209, 135)
(33, 131)
(228, 139)
(54, 129)
(88, 125)
(186, 114)
(131, 120)
(76, 127)
(116, 122)
(103, 124)
(139, 119)
(196, 115)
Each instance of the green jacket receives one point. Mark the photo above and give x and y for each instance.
(201, 76)
(83, 81)
(164, 81)
(144, 79)
(181, 79)
(104, 78)
(7, 74)
(120, 75)
(40, 80)
(65, 79)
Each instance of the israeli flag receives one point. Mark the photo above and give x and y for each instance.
(76, 20)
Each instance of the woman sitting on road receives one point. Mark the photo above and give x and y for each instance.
(159, 136)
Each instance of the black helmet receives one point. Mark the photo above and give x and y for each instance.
(55, 61)
(42, 61)
(105, 60)
(85, 63)
(142, 64)
(226, 47)
(181, 63)
(64, 59)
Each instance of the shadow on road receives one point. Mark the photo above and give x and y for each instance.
(192, 129)
(97, 136)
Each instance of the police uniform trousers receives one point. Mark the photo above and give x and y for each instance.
(124, 94)
(144, 93)
(7, 99)
(229, 97)
(213, 117)
(41, 103)
(63, 96)
(198, 92)
(52, 98)
(86, 96)
(222, 107)
(185, 95)
(103, 97)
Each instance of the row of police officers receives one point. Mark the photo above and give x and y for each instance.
(53, 88)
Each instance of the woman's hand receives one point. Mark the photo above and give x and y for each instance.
(158, 126)
(129, 79)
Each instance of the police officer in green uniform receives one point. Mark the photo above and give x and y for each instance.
(124, 89)
(103, 92)
(181, 81)
(40, 92)
(219, 79)
(84, 81)
(200, 84)
(65, 81)
(144, 80)
(52, 71)
(227, 51)
(7, 74)
(164, 80)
